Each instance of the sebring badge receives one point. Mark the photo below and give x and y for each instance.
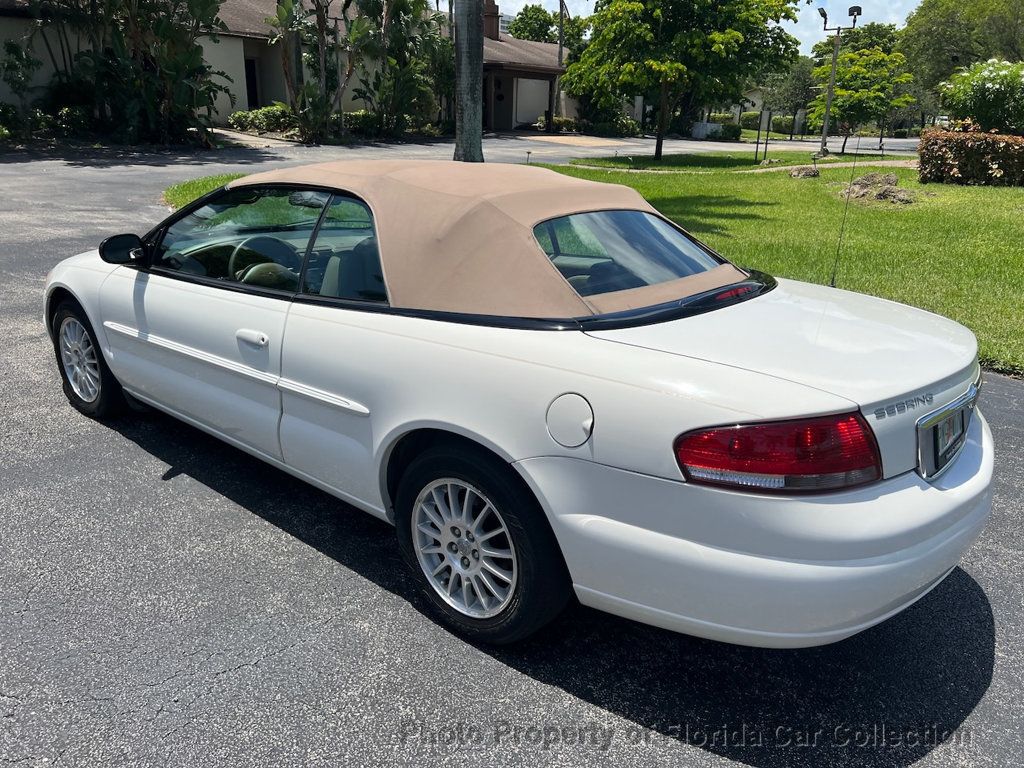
(903, 406)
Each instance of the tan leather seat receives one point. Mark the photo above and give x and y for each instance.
(356, 274)
(329, 286)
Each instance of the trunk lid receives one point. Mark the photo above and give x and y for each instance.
(875, 353)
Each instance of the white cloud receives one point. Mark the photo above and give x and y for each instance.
(808, 29)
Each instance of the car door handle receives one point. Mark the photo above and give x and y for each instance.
(256, 338)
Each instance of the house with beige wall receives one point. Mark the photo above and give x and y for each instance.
(520, 76)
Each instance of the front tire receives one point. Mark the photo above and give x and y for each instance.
(479, 545)
(88, 383)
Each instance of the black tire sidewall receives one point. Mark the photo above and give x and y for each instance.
(110, 400)
(542, 584)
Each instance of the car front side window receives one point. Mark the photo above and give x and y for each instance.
(250, 236)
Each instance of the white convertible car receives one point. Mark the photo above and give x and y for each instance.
(550, 389)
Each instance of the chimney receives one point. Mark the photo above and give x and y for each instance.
(491, 18)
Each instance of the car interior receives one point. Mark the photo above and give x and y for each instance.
(607, 251)
(261, 239)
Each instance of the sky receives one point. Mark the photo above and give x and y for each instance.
(808, 30)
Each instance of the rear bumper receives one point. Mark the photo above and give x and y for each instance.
(760, 570)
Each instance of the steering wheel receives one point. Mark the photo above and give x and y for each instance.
(266, 249)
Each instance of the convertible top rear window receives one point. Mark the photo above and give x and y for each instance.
(607, 251)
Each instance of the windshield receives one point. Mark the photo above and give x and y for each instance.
(608, 251)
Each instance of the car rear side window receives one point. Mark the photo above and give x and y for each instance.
(608, 251)
(344, 262)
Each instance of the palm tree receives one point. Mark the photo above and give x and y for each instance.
(469, 76)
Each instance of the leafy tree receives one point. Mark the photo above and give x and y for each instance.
(533, 22)
(871, 35)
(574, 35)
(469, 77)
(17, 68)
(144, 67)
(393, 81)
(1001, 28)
(990, 94)
(688, 51)
(870, 84)
(792, 90)
(940, 36)
(330, 43)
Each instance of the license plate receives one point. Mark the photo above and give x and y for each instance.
(949, 436)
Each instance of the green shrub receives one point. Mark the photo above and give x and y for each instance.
(990, 93)
(4, 134)
(362, 123)
(620, 126)
(39, 120)
(239, 120)
(782, 124)
(562, 124)
(276, 118)
(72, 121)
(972, 158)
(722, 117)
(914, 133)
(750, 120)
(730, 132)
(10, 118)
(901, 133)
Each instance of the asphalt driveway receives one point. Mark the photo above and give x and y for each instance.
(168, 600)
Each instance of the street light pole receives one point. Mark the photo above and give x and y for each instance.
(855, 11)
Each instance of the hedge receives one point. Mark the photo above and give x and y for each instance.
(362, 123)
(730, 132)
(620, 126)
(562, 124)
(782, 124)
(972, 158)
(276, 119)
(722, 117)
(750, 120)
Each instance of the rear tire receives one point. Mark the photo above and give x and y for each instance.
(508, 556)
(88, 383)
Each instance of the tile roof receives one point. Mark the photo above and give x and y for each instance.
(247, 18)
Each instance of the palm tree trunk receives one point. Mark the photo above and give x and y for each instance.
(662, 120)
(469, 86)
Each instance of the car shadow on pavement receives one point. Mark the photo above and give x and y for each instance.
(885, 697)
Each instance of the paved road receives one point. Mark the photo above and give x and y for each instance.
(167, 600)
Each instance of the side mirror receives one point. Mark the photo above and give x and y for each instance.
(123, 249)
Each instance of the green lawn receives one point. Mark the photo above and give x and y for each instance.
(185, 192)
(712, 161)
(956, 251)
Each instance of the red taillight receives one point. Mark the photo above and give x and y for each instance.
(820, 454)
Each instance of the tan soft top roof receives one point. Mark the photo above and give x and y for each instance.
(458, 237)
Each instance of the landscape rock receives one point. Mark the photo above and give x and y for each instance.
(877, 180)
(883, 187)
(894, 194)
(805, 172)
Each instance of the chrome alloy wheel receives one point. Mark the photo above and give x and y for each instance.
(464, 548)
(78, 355)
